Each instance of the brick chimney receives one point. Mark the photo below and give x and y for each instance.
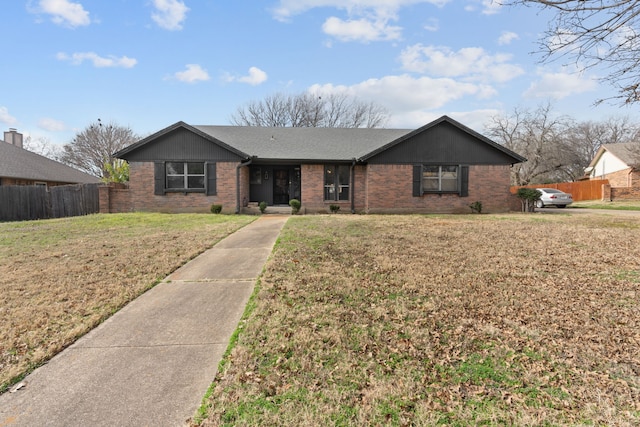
(13, 137)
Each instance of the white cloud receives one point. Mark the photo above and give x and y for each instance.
(367, 20)
(194, 73)
(414, 102)
(51, 125)
(487, 7)
(362, 30)
(169, 14)
(255, 77)
(560, 85)
(63, 12)
(381, 8)
(7, 118)
(404, 93)
(98, 61)
(471, 63)
(432, 25)
(507, 37)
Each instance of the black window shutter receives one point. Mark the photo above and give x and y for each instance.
(464, 181)
(417, 180)
(211, 179)
(158, 177)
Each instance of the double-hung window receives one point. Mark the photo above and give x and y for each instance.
(441, 179)
(336, 182)
(185, 176)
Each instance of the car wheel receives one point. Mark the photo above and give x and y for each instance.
(539, 204)
(562, 206)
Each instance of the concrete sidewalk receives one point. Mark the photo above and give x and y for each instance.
(151, 363)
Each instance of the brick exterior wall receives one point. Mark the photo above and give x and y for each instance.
(623, 185)
(623, 178)
(14, 181)
(312, 183)
(628, 193)
(390, 190)
(114, 198)
(377, 189)
(141, 184)
(312, 188)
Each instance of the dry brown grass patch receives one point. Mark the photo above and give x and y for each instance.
(60, 278)
(460, 320)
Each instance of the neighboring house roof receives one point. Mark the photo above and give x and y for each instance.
(314, 144)
(18, 163)
(627, 152)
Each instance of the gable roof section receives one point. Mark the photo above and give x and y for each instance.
(18, 163)
(516, 157)
(143, 142)
(628, 152)
(306, 144)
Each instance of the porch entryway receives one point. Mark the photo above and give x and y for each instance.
(274, 184)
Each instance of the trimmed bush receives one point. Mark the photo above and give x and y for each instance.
(295, 206)
(334, 208)
(528, 198)
(262, 206)
(216, 209)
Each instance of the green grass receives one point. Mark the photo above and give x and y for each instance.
(626, 205)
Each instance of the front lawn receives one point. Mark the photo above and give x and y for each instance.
(60, 278)
(440, 320)
(623, 205)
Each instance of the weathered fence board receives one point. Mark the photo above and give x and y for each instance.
(580, 190)
(28, 202)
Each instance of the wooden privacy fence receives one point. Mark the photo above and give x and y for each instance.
(580, 190)
(28, 202)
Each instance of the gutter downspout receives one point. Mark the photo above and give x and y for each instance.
(246, 163)
(353, 186)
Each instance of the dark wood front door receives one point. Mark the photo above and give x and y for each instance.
(280, 186)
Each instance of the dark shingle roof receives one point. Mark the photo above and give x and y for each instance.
(303, 143)
(306, 144)
(18, 163)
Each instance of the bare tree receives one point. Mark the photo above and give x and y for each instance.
(585, 138)
(93, 148)
(311, 110)
(42, 146)
(558, 149)
(594, 33)
(538, 136)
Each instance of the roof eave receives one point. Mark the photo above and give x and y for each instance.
(177, 125)
(518, 158)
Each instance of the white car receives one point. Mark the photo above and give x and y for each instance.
(553, 197)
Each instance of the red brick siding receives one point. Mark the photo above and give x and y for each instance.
(623, 178)
(624, 185)
(14, 181)
(141, 189)
(390, 190)
(312, 188)
(628, 193)
(312, 182)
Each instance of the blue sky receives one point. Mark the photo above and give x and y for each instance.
(147, 64)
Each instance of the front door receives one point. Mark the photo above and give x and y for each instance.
(281, 186)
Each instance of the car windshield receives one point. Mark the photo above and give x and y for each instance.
(551, 190)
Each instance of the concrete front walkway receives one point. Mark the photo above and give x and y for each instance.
(151, 363)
